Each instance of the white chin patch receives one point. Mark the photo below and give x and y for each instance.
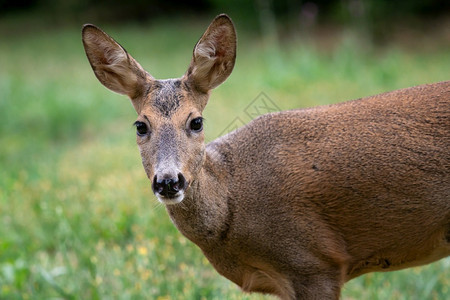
(170, 201)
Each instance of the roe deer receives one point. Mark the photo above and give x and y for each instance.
(295, 203)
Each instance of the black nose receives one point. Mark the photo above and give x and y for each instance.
(169, 187)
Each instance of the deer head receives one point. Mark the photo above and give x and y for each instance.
(169, 125)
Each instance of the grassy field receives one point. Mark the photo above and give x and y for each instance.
(78, 219)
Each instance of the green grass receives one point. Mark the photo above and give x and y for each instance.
(77, 216)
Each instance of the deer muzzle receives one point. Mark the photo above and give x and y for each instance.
(169, 189)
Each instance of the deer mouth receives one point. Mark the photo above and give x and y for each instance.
(170, 200)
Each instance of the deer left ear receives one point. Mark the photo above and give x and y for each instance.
(112, 65)
(214, 55)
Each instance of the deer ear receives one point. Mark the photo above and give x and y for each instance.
(214, 55)
(111, 63)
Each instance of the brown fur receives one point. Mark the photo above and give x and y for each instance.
(295, 203)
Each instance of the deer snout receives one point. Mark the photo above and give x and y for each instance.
(169, 189)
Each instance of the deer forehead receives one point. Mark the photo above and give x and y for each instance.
(166, 97)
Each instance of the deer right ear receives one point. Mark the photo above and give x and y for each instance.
(214, 55)
(112, 65)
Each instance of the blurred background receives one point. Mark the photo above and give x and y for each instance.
(78, 219)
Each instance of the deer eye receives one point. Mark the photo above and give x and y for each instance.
(197, 124)
(141, 128)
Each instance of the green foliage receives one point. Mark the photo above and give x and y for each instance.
(77, 216)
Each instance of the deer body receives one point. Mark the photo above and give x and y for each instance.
(344, 192)
(295, 203)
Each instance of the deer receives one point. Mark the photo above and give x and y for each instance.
(295, 203)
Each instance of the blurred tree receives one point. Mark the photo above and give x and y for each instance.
(18, 5)
(376, 17)
(107, 10)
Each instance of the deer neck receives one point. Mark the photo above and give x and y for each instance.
(204, 216)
